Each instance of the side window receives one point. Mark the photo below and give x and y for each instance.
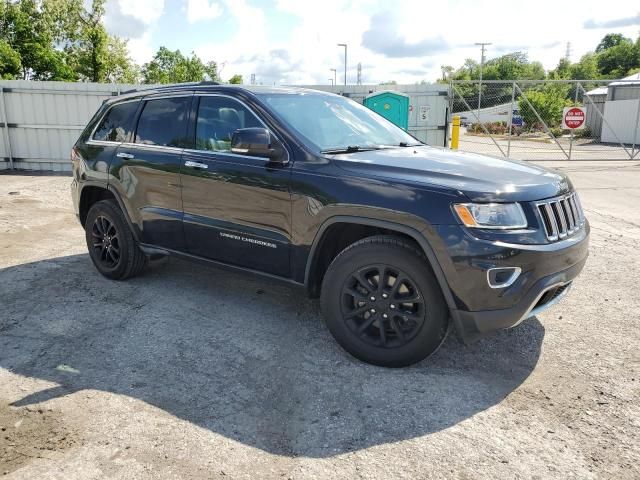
(218, 118)
(164, 122)
(115, 125)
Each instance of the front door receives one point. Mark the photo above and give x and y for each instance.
(237, 208)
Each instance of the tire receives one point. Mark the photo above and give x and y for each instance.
(112, 248)
(417, 317)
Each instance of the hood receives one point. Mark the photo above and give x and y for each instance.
(479, 177)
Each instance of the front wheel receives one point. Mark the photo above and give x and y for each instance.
(383, 304)
(111, 245)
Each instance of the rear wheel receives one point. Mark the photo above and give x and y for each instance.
(111, 245)
(383, 304)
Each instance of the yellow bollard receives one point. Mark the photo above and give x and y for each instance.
(455, 132)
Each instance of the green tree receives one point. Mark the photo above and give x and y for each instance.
(616, 61)
(586, 68)
(10, 64)
(236, 80)
(513, 66)
(119, 67)
(611, 40)
(548, 101)
(173, 67)
(27, 30)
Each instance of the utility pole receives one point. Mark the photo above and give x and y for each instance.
(359, 78)
(345, 61)
(335, 76)
(332, 81)
(483, 46)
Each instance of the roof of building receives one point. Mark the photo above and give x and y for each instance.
(630, 80)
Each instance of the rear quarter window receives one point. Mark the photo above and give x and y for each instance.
(116, 124)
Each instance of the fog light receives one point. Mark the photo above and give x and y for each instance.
(502, 277)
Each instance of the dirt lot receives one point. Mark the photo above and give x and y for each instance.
(197, 373)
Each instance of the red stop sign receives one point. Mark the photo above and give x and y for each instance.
(574, 118)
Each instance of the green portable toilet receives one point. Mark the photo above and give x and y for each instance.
(394, 106)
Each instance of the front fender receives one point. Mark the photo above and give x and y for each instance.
(406, 224)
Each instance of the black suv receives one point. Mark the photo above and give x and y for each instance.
(401, 241)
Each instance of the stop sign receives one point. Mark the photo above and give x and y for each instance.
(573, 118)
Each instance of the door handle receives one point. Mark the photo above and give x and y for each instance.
(190, 163)
(126, 155)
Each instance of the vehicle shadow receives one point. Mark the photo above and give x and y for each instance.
(240, 356)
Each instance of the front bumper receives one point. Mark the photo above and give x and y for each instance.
(471, 326)
(547, 274)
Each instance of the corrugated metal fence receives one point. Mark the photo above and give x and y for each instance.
(40, 121)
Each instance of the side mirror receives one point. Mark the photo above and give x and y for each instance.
(257, 142)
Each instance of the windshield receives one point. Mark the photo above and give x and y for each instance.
(331, 122)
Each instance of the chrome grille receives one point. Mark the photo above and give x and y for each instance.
(561, 216)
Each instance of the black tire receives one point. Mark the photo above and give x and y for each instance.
(412, 330)
(112, 248)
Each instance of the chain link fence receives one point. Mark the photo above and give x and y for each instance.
(524, 119)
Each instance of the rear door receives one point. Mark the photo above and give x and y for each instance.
(113, 128)
(237, 208)
(148, 169)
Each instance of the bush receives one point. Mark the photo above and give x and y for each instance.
(494, 128)
(548, 103)
(584, 133)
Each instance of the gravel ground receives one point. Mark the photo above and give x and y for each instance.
(200, 373)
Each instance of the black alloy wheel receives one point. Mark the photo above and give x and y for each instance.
(112, 247)
(382, 303)
(106, 241)
(383, 306)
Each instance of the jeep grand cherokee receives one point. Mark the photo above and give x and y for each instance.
(401, 241)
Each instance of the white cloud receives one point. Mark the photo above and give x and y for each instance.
(140, 48)
(198, 10)
(134, 21)
(237, 55)
(411, 38)
(147, 11)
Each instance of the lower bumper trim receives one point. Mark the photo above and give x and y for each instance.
(473, 325)
(536, 310)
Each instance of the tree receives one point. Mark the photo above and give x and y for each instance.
(616, 61)
(548, 101)
(586, 68)
(27, 30)
(173, 67)
(236, 80)
(447, 71)
(10, 64)
(119, 67)
(611, 40)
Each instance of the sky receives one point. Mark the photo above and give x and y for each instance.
(294, 42)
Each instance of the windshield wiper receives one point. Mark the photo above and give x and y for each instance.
(401, 144)
(349, 149)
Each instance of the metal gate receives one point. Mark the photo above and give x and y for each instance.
(523, 119)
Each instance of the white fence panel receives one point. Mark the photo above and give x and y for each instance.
(42, 120)
(620, 117)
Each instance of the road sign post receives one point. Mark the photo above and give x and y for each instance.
(573, 119)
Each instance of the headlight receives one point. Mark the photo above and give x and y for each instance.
(491, 215)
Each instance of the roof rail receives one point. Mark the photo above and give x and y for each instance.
(173, 85)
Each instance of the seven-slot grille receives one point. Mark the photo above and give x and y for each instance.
(561, 216)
